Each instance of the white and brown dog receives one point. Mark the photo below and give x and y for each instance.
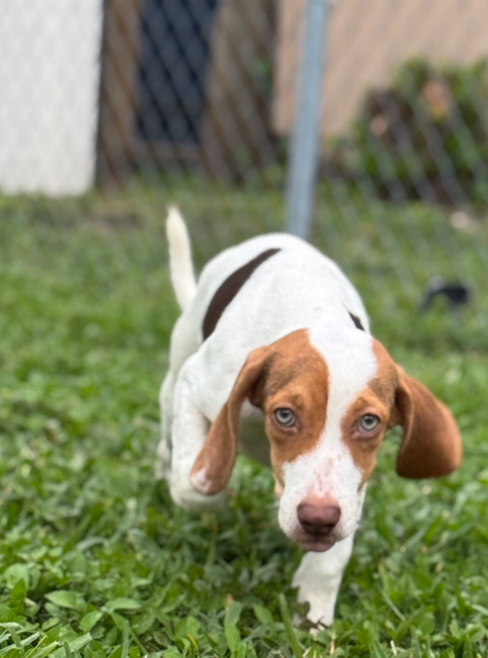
(275, 331)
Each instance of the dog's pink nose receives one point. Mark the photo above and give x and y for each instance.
(319, 517)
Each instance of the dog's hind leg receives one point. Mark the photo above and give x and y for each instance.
(163, 451)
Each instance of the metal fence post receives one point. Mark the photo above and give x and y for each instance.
(302, 167)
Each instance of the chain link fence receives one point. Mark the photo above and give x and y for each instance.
(111, 110)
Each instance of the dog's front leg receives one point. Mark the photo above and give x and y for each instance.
(319, 577)
(189, 429)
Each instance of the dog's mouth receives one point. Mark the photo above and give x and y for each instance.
(315, 543)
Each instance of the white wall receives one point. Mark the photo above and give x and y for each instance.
(49, 79)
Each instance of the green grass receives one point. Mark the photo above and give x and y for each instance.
(95, 560)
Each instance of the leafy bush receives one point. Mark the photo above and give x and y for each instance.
(424, 136)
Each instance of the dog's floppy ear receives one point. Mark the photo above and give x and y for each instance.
(431, 444)
(213, 466)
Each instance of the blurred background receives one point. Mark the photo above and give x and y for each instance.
(111, 110)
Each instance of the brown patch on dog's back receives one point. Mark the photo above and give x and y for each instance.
(229, 289)
(356, 320)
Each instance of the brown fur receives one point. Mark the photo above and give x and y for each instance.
(364, 449)
(218, 455)
(289, 373)
(305, 392)
(431, 444)
(292, 373)
(357, 321)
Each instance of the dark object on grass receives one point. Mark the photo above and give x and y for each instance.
(456, 295)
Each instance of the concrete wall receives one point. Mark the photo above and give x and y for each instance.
(366, 40)
(49, 80)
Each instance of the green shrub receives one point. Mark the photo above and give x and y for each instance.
(424, 136)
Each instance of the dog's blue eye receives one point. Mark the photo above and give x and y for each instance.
(369, 422)
(285, 417)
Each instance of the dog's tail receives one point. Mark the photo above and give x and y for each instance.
(180, 262)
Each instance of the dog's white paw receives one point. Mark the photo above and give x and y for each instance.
(318, 580)
(321, 602)
(185, 496)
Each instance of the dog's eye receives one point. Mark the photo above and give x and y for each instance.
(285, 417)
(369, 422)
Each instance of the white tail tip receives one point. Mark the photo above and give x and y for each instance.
(181, 266)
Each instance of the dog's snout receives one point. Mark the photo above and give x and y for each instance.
(317, 518)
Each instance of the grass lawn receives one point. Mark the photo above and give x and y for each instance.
(95, 560)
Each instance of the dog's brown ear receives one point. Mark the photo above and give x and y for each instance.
(431, 443)
(213, 466)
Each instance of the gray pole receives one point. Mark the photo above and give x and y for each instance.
(302, 167)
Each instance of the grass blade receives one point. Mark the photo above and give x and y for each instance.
(292, 638)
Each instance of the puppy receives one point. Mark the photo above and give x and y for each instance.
(275, 332)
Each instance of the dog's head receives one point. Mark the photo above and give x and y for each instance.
(328, 399)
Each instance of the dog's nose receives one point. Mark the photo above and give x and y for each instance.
(319, 518)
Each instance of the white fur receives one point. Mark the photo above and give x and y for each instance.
(297, 288)
(181, 266)
(319, 577)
